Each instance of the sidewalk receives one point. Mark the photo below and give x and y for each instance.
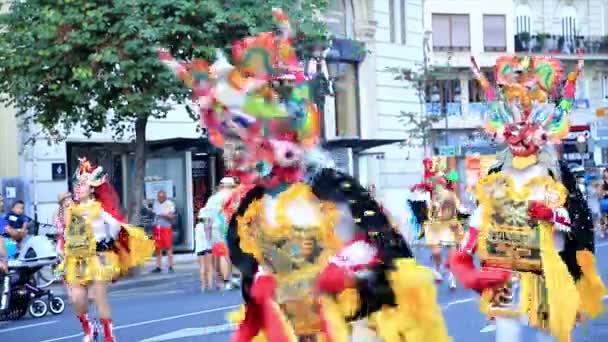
(186, 265)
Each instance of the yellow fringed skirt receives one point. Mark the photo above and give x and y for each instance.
(108, 265)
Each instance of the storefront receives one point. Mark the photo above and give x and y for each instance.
(186, 169)
(469, 152)
(575, 148)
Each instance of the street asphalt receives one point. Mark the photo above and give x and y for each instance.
(170, 307)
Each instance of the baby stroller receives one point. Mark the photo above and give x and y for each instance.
(19, 291)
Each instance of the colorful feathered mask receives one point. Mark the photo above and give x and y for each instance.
(263, 100)
(520, 112)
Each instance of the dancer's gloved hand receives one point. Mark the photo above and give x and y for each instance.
(540, 212)
(335, 279)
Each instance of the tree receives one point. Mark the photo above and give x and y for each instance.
(419, 124)
(92, 64)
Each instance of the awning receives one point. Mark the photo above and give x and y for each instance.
(200, 144)
(357, 144)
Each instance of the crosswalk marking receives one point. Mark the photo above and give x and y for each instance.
(191, 332)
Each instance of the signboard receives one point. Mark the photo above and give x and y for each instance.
(448, 151)
(154, 187)
(10, 193)
(58, 171)
(582, 104)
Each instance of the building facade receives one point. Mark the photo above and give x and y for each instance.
(361, 111)
(562, 29)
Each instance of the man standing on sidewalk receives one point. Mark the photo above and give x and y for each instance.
(164, 214)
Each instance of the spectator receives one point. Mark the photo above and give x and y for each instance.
(593, 200)
(64, 200)
(3, 254)
(16, 223)
(203, 250)
(164, 214)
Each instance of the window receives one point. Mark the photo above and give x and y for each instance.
(523, 19)
(581, 88)
(568, 22)
(451, 32)
(339, 19)
(403, 25)
(494, 34)
(391, 20)
(476, 93)
(605, 88)
(346, 82)
(443, 91)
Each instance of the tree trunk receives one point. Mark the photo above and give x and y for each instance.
(140, 169)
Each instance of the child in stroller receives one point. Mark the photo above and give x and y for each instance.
(19, 293)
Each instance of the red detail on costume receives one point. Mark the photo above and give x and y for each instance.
(540, 212)
(87, 328)
(334, 279)
(471, 240)
(109, 200)
(250, 327)
(264, 314)
(517, 135)
(560, 218)
(108, 334)
(263, 288)
(462, 267)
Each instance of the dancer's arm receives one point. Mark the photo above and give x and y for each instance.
(469, 243)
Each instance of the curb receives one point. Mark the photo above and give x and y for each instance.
(141, 281)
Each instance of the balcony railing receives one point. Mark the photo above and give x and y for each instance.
(557, 44)
(451, 109)
(451, 48)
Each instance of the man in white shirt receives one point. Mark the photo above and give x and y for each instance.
(164, 214)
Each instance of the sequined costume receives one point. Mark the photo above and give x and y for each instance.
(532, 229)
(98, 245)
(315, 253)
(441, 225)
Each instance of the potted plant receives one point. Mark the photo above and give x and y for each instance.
(524, 38)
(541, 38)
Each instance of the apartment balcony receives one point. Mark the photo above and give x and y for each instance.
(592, 47)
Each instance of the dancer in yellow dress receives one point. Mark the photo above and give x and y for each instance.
(99, 246)
(441, 227)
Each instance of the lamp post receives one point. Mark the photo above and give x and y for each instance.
(444, 107)
(426, 48)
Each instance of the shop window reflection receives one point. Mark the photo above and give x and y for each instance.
(345, 84)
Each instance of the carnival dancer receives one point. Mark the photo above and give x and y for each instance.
(98, 246)
(532, 229)
(439, 213)
(313, 255)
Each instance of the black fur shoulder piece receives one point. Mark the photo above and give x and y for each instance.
(581, 236)
(245, 262)
(335, 186)
(374, 290)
